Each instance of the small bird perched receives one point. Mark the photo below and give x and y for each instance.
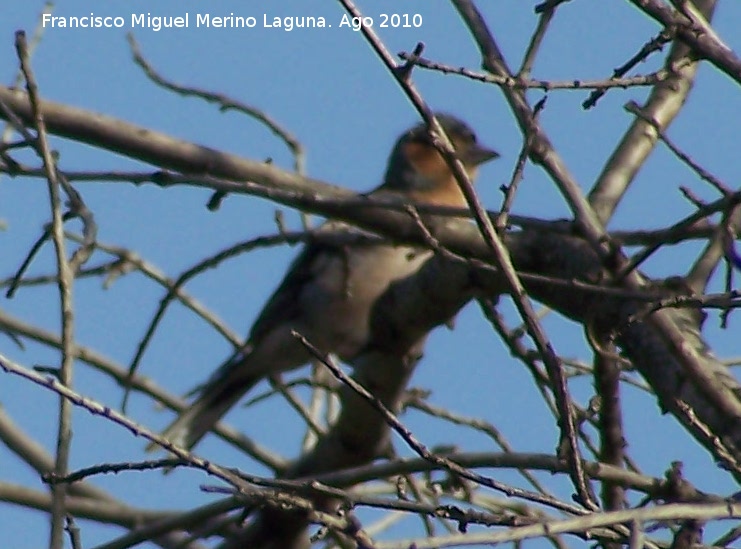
(329, 291)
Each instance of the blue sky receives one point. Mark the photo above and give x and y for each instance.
(328, 88)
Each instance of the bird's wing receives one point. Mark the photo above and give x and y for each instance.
(312, 262)
(284, 305)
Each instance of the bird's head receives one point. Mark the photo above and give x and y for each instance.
(417, 167)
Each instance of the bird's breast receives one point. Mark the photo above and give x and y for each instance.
(347, 284)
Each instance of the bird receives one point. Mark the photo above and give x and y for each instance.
(329, 290)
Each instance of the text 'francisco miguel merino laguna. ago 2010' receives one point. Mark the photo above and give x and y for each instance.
(231, 21)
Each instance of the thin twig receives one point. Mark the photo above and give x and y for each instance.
(653, 45)
(546, 15)
(520, 83)
(225, 103)
(511, 189)
(422, 450)
(724, 189)
(478, 424)
(66, 278)
(38, 33)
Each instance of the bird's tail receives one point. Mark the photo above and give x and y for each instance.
(228, 384)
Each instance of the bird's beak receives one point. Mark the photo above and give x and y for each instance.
(477, 155)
